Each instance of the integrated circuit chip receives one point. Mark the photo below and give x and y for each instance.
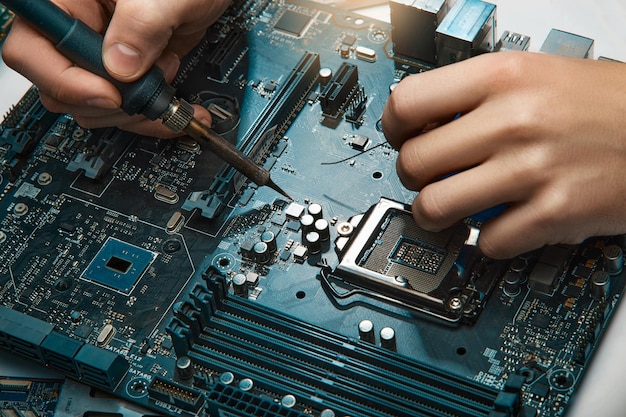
(119, 265)
(293, 23)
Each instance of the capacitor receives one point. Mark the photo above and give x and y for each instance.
(184, 368)
(313, 243)
(227, 378)
(600, 285)
(613, 259)
(288, 401)
(262, 254)
(327, 412)
(323, 229)
(239, 285)
(388, 338)
(315, 210)
(270, 239)
(512, 281)
(325, 76)
(307, 223)
(366, 331)
(246, 384)
(517, 265)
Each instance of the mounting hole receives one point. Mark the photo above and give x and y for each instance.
(359, 21)
(300, 295)
(137, 388)
(224, 261)
(377, 175)
(171, 246)
(63, 284)
(461, 351)
(561, 379)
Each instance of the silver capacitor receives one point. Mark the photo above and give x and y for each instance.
(313, 243)
(270, 239)
(600, 285)
(240, 286)
(262, 254)
(613, 259)
(307, 223)
(366, 331)
(315, 210)
(388, 338)
(323, 229)
(184, 368)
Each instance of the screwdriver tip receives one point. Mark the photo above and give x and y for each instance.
(276, 188)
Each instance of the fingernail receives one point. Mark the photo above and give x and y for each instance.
(102, 102)
(122, 59)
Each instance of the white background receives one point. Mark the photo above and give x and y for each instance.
(603, 392)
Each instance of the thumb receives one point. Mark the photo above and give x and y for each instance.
(137, 35)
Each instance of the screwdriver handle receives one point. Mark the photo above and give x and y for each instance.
(150, 95)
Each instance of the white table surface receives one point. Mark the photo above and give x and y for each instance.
(603, 392)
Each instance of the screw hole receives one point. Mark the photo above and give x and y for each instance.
(461, 351)
(377, 175)
(300, 295)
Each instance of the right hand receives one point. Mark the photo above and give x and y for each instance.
(137, 34)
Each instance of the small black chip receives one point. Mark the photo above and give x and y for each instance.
(292, 22)
(349, 40)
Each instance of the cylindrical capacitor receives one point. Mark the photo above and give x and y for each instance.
(366, 331)
(184, 368)
(313, 243)
(307, 223)
(262, 254)
(613, 259)
(239, 285)
(327, 412)
(323, 229)
(600, 285)
(512, 281)
(325, 76)
(315, 210)
(388, 338)
(270, 239)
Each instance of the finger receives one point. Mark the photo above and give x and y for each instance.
(439, 94)
(455, 146)
(445, 202)
(57, 106)
(140, 31)
(25, 51)
(515, 231)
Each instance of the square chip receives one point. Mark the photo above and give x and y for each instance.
(119, 265)
(293, 23)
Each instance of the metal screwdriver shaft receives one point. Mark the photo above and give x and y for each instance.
(150, 95)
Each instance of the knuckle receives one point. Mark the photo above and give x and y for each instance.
(411, 167)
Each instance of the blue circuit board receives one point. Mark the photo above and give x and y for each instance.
(151, 270)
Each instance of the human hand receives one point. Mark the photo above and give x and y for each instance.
(544, 134)
(139, 33)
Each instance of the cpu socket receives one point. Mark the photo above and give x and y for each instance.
(389, 257)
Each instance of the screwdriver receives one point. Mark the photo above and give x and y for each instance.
(150, 95)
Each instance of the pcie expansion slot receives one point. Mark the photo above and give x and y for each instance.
(261, 137)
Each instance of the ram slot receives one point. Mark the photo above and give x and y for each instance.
(268, 128)
(319, 367)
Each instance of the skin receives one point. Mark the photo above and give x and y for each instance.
(544, 134)
(137, 34)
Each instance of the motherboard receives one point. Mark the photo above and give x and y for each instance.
(151, 270)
